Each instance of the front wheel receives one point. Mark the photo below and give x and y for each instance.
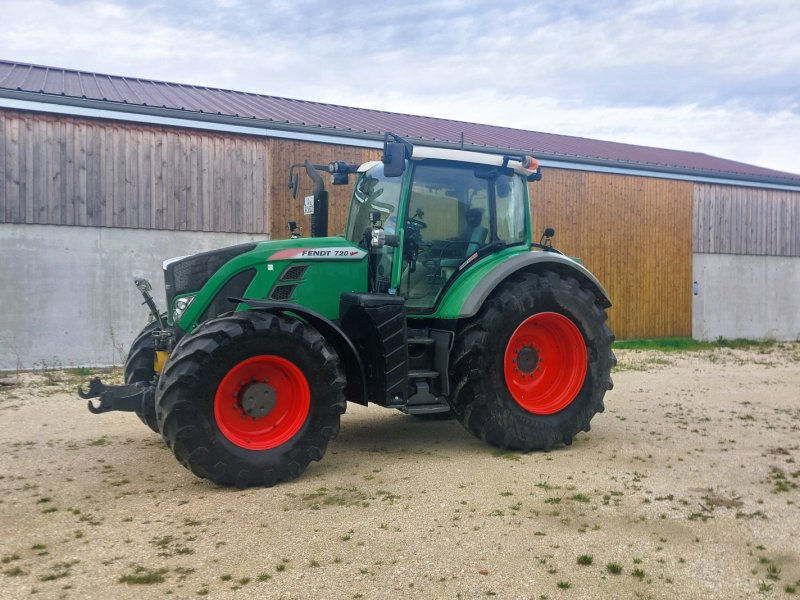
(530, 370)
(140, 368)
(250, 399)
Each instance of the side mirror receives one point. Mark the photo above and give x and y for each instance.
(294, 180)
(394, 159)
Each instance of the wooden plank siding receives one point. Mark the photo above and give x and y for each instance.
(634, 234)
(67, 171)
(752, 221)
(284, 153)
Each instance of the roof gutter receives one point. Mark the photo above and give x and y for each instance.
(105, 109)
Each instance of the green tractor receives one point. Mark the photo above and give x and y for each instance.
(434, 301)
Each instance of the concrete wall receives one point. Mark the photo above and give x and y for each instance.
(67, 293)
(752, 297)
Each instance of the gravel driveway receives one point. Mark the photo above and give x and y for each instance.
(686, 487)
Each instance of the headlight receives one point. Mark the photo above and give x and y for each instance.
(181, 304)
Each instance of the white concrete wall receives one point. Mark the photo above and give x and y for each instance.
(67, 296)
(752, 297)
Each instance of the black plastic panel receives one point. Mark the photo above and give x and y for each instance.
(376, 324)
(233, 288)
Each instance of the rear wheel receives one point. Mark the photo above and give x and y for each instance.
(140, 367)
(531, 369)
(250, 399)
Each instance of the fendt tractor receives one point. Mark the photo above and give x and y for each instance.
(436, 299)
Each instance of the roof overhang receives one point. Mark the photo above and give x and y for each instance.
(153, 115)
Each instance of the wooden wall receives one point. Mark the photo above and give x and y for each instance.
(283, 154)
(65, 171)
(634, 234)
(740, 220)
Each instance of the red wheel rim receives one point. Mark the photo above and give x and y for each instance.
(545, 363)
(262, 402)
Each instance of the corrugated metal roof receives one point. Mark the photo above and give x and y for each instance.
(84, 86)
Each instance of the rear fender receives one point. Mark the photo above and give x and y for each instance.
(531, 262)
(356, 389)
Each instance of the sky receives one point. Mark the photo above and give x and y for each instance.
(714, 76)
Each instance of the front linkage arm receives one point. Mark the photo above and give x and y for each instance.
(128, 398)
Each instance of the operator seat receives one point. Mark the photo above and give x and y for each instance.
(474, 234)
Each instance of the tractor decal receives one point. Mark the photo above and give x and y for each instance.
(337, 253)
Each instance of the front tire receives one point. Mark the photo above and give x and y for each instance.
(140, 367)
(250, 399)
(530, 370)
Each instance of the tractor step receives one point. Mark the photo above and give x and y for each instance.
(423, 374)
(421, 341)
(428, 409)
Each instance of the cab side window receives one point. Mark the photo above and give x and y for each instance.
(448, 220)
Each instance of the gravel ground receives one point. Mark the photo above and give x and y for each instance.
(686, 487)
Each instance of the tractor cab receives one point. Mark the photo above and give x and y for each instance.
(445, 210)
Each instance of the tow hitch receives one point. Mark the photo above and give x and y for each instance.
(129, 398)
(134, 397)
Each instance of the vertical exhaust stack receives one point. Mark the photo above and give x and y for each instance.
(319, 219)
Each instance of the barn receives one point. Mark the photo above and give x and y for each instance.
(105, 176)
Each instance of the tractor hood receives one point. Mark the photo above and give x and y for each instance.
(312, 272)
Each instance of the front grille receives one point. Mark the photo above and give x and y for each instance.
(294, 273)
(234, 288)
(282, 292)
(191, 273)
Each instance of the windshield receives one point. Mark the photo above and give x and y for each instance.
(373, 193)
(454, 210)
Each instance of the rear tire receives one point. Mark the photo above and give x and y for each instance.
(140, 367)
(530, 370)
(250, 399)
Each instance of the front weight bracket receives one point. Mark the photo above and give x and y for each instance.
(126, 398)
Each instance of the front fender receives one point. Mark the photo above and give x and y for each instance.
(466, 297)
(356, 389)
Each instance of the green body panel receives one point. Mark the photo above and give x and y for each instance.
(450, 305)
(334, 266)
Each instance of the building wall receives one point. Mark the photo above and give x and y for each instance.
(283, 154)
(635, 235)
(67, 292)
(85, 202)
(746, 272)
(70, 171)
(748, 297)
(751, 221)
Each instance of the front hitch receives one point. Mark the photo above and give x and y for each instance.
(127, 398)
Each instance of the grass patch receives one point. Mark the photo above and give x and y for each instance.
(683, 344)
(506, 454)
(614, 568)
(585, 559)
(143, 576)
(60, 569)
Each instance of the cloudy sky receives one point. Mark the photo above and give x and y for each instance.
(714, 76)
